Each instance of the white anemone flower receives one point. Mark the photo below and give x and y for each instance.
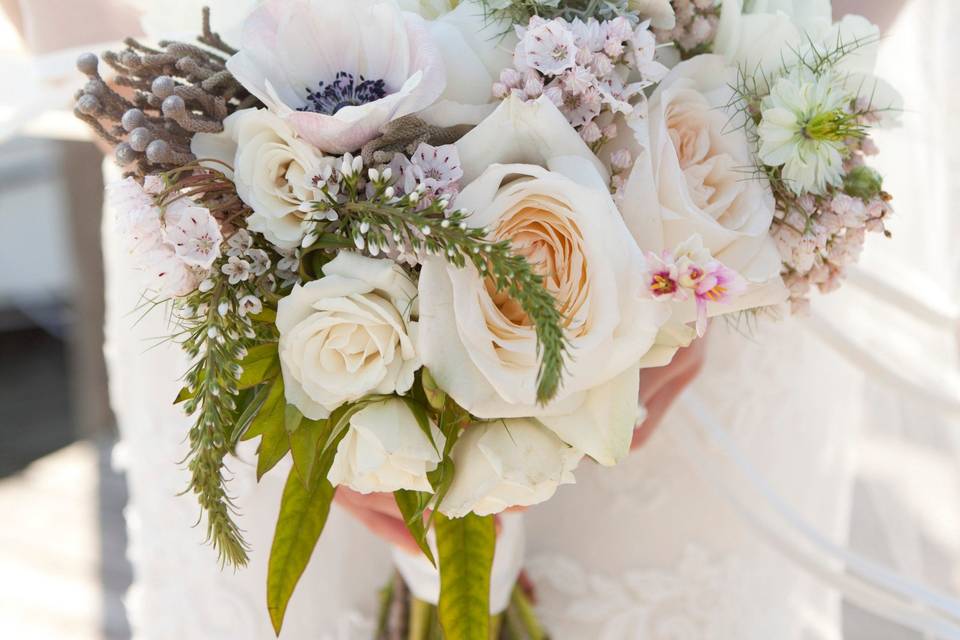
(804, 128)
(338, 70)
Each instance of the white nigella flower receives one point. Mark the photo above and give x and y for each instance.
(804, 128)
(373, 63)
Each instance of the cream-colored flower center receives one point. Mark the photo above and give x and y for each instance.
(551, 241)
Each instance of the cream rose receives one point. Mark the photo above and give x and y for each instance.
(385, 450)
(694, 176)
(348, 334)
(555, 206)
(274, 170)
(507, 463)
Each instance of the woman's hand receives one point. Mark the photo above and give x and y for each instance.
(660, 387)
(379, 513)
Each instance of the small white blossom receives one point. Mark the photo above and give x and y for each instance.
(260, 261)
(250, 305)
(237, 270)
(239, 242)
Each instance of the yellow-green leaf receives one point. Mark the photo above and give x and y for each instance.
(292, 418)
(412, 504)
(262, 363)
(305, 447)
(184, 395)
(465, 547)
(275, 403)
(303, 514)
(267, 316)
(250, 411)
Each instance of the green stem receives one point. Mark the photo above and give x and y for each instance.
(524, 608)
(420, 617)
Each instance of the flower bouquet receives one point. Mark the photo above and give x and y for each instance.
(427, 247)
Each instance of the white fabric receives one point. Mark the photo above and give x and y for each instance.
(654, 549)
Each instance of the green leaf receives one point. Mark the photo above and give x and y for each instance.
(270, 423)
(262, 363)
(412, 504)
(273, 447)
(274, 402)
(184, 395)
(305, 447)
(303, 515)
(292, 418)
(267, 316)
(250, 411)
(453, 419)
(465, 547)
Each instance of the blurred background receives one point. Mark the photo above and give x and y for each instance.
(62, 536)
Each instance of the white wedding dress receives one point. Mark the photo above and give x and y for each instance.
(731, 524)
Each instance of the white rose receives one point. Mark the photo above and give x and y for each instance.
(762, 36)
(348, 334)
(478, 343)
(481, 46)
(693, 177)
(274, 171)
(507, 463)
(385, 450)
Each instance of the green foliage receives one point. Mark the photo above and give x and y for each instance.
(412, 505)
(304, 508)
(303, 515)
(262, 363)
(216, 341)
(465, 547)
(305, 445)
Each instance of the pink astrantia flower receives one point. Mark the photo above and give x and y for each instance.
(662, 277)
(438, 168)
(175, 245)
(717, 284)
(193, 233)
(690, 269)
(547, 46)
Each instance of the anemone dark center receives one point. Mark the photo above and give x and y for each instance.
(345, 91)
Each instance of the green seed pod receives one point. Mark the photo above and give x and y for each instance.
(863, 182)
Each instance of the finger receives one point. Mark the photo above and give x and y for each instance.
(385, 527)
(659, 406)
(383, 503)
